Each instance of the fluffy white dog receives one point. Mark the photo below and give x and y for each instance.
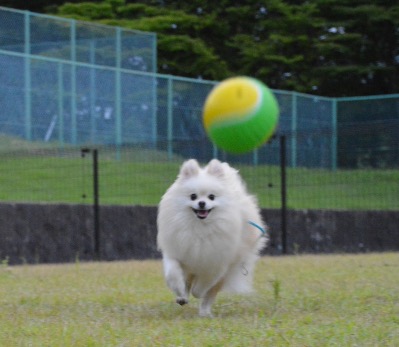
(209, 232)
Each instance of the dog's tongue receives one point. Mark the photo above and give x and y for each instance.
(202, 213)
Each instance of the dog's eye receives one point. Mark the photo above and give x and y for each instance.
(193, 197)
(211, 197)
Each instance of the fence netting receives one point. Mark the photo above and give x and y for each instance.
(67, 85)
(139, 175)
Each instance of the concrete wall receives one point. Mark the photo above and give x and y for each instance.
(327, 231)
(41, 233)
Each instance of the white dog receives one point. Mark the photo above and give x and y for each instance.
(209, 232)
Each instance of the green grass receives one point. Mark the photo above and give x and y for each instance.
(137, 176)
(312, 300)
(58, 179)
(324, 189)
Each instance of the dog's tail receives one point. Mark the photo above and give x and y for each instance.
(239, 277)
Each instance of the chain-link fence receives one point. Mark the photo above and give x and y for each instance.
(65, 85)
(138, 175)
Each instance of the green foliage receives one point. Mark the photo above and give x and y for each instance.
(294, 45)
(176, 53)
(88, 10)
(139, 10)
(181, 50)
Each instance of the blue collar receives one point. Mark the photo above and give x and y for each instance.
(263, 231)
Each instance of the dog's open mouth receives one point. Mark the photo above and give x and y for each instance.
(202, 214)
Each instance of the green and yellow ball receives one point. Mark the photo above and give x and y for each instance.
(240, 114)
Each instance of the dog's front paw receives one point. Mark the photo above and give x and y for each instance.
(205, 313)
(181, 301)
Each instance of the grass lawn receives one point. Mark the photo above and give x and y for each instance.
(142, 178)
(307, 300)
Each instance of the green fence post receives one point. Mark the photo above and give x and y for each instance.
(294, 122)
(60, 104)
(155, 91)
(255, 157)
(118, 92)
(334, 136)
(169, 134)
(154, 54)
(92, 91)
(73, 83)
(28, 82)
(154, 99)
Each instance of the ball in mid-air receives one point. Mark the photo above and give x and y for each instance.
(240, 114)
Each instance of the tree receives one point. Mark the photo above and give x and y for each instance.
(359, 52)
(38, 5)
(181, 47)
(326, 47)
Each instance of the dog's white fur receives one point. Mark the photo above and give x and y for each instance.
(204, 233)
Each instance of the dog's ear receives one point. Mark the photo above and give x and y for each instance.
(189, 168)
(215, 168)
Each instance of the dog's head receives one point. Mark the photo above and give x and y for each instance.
(204, 190)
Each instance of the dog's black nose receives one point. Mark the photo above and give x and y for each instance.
(201, 204)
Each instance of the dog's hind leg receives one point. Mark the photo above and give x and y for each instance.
(208, 299)
(176, 280)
